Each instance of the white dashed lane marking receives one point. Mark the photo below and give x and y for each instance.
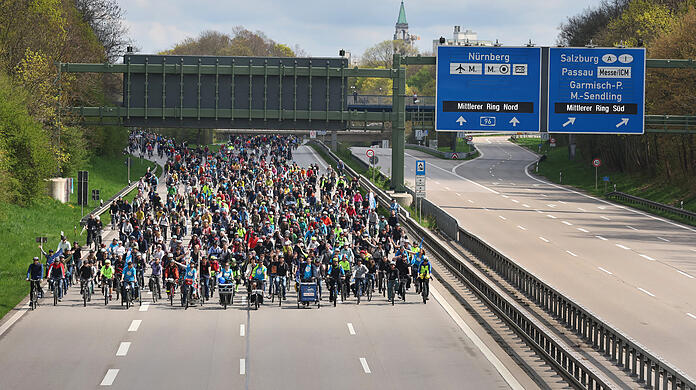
(663, 239)
(567, 223)
(242, 331)
(605, 270)
(501, 217)
(647, 257)
(551, 216)
(543, 239)
(583, 230)
(623, 247)
(646, 291)
(242, 366)
(631, 227)
(581, 209)
(605, 218)
(145, 306)
(685, 274)
(123, 348)
(691, 315)
(109, 377)
(572, 254)
(526, 205)
(351, 330)
(135, 324)
(522, 227)
(365, 367)
(601, 238)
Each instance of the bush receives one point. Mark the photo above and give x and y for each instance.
(25, 145)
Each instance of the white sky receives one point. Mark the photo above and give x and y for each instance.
(321, 28)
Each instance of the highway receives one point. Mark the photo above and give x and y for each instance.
(633, 270)
(373, 345)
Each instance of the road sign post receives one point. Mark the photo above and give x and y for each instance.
(596, 90)
(420, 186)
(596, 163)
(488, 88)
(370, 156)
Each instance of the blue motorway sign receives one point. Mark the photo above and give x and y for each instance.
(420, 167)
(488, 88)
(596, 90)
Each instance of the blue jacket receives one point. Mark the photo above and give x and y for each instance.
(129, 274)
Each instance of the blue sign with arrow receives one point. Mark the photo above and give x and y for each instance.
(596, 90)
(488, 88)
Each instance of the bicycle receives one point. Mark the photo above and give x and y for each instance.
(333, 292)
(106, 290)
(34, 287)
(402, 287)
(382, 283)
(278, 288)
(85, 291)
(171, 290)
(55, 289)
(186, 293)
(358, 289)
(126, 294)
(344, 290)
(370, 286)
(425, 289)
(392, 285)
(154, 287)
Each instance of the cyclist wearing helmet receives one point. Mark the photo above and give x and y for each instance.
(107, 275)
(424, 275)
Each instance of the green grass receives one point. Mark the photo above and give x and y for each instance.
(462, 147)
(581, 174)
(19, 226)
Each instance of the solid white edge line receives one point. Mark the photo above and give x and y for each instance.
(123, 348)
(605, 271)
(135, 324)
(504, 372)
(526, 171)
(242, 331)
(646, 291)
(351, 330)
(109, 377)
(13, 319)
(145, 306)
(363, 362)
(685, 274)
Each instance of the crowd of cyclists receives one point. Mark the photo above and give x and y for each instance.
(243, 218)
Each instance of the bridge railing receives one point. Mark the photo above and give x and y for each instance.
(386, 100)
(653, 205)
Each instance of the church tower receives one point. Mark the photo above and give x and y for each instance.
(401, 32)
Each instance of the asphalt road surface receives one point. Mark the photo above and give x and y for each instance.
(373, 345)
(634, 270)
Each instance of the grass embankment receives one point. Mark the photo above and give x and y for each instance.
(381, 181)
(581, 174)
(462, 147)
(19, 226)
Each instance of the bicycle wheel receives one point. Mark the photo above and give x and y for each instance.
(31, 298)
(55, 294)
(84, 295)
(126, 296)
(369, 291)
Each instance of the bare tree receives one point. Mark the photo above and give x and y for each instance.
(106, 19)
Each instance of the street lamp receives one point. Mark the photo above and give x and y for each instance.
(379, 98)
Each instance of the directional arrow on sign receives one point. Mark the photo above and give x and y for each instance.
(461, 121)
(514, 121)
(624, 121)
(571, 121)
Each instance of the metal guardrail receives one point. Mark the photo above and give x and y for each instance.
(566, 361)
(653, 205)
(103, 208)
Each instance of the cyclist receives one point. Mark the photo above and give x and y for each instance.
(282, 274)
(345, 265)
(86, 273)
(424, 275)
(205, 277)
(171, 272)
(259, 273)
(107, 275)
(392, 280)
(129, 277)
(359, 275)
(156, 275)
(335, 275)
(56, 273)
(35, 275)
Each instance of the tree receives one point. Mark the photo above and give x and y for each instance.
(382, 54)
(242, 42)
(639, 23)
(105, 19)
(580, 29)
